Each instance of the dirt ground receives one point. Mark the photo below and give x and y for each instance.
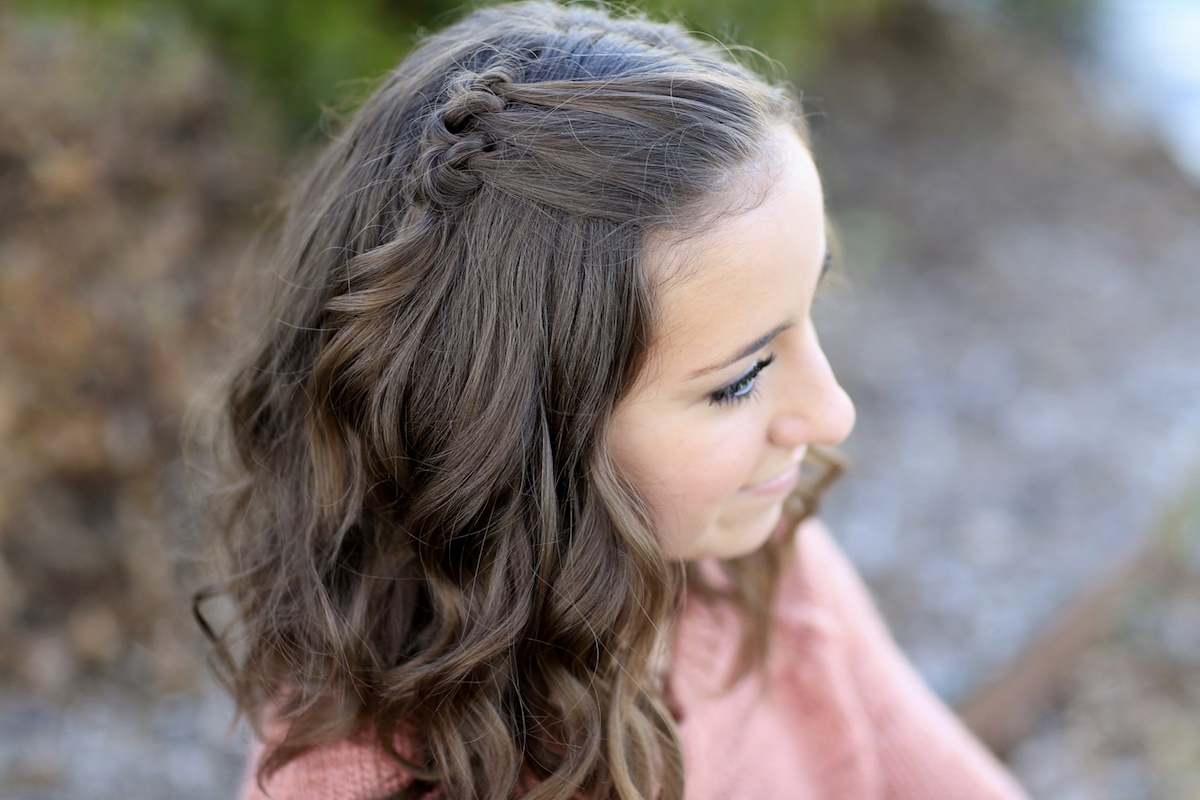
(1018, 326)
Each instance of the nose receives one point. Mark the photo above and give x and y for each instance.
(815, 408)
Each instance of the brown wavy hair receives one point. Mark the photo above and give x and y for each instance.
(425, 535)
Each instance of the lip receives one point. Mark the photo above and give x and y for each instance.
(780, 484)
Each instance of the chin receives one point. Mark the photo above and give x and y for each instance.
(728, 544)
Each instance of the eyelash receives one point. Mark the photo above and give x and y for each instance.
(743, 388)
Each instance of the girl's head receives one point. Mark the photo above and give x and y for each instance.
(507, 386)
(737, 386)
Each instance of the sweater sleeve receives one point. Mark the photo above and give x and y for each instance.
(345, 770)
(924, 751)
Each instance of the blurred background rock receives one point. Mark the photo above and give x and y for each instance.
(1019, 325)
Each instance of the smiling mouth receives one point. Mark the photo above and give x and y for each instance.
(775, 486)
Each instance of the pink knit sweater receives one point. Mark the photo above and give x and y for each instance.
(839, 715)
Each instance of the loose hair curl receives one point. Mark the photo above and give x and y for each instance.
(426, 536)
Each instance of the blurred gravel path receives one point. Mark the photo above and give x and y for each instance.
(1022, 338)
(119, 744)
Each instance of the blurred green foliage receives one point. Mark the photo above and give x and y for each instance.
(297, 55)
(304, 55)
(1049, 12)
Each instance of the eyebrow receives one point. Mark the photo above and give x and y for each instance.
(753, 347)
(766, 338)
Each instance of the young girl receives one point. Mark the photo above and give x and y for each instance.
(516, 504)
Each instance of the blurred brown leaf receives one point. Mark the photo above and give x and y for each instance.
(130, 172)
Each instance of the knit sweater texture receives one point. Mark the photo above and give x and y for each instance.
(837, 713)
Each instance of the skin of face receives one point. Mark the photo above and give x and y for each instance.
(736, 385)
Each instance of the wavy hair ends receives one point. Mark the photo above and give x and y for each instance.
(427, 541)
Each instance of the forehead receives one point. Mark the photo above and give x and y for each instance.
(748, 272)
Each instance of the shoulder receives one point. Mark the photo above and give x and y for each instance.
(808, 613)
(819, 572)
(814, 542)
(921, 748)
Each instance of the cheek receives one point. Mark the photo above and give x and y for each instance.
(718, 456)
(689, 471)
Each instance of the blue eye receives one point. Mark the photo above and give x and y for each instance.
(743, 387)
